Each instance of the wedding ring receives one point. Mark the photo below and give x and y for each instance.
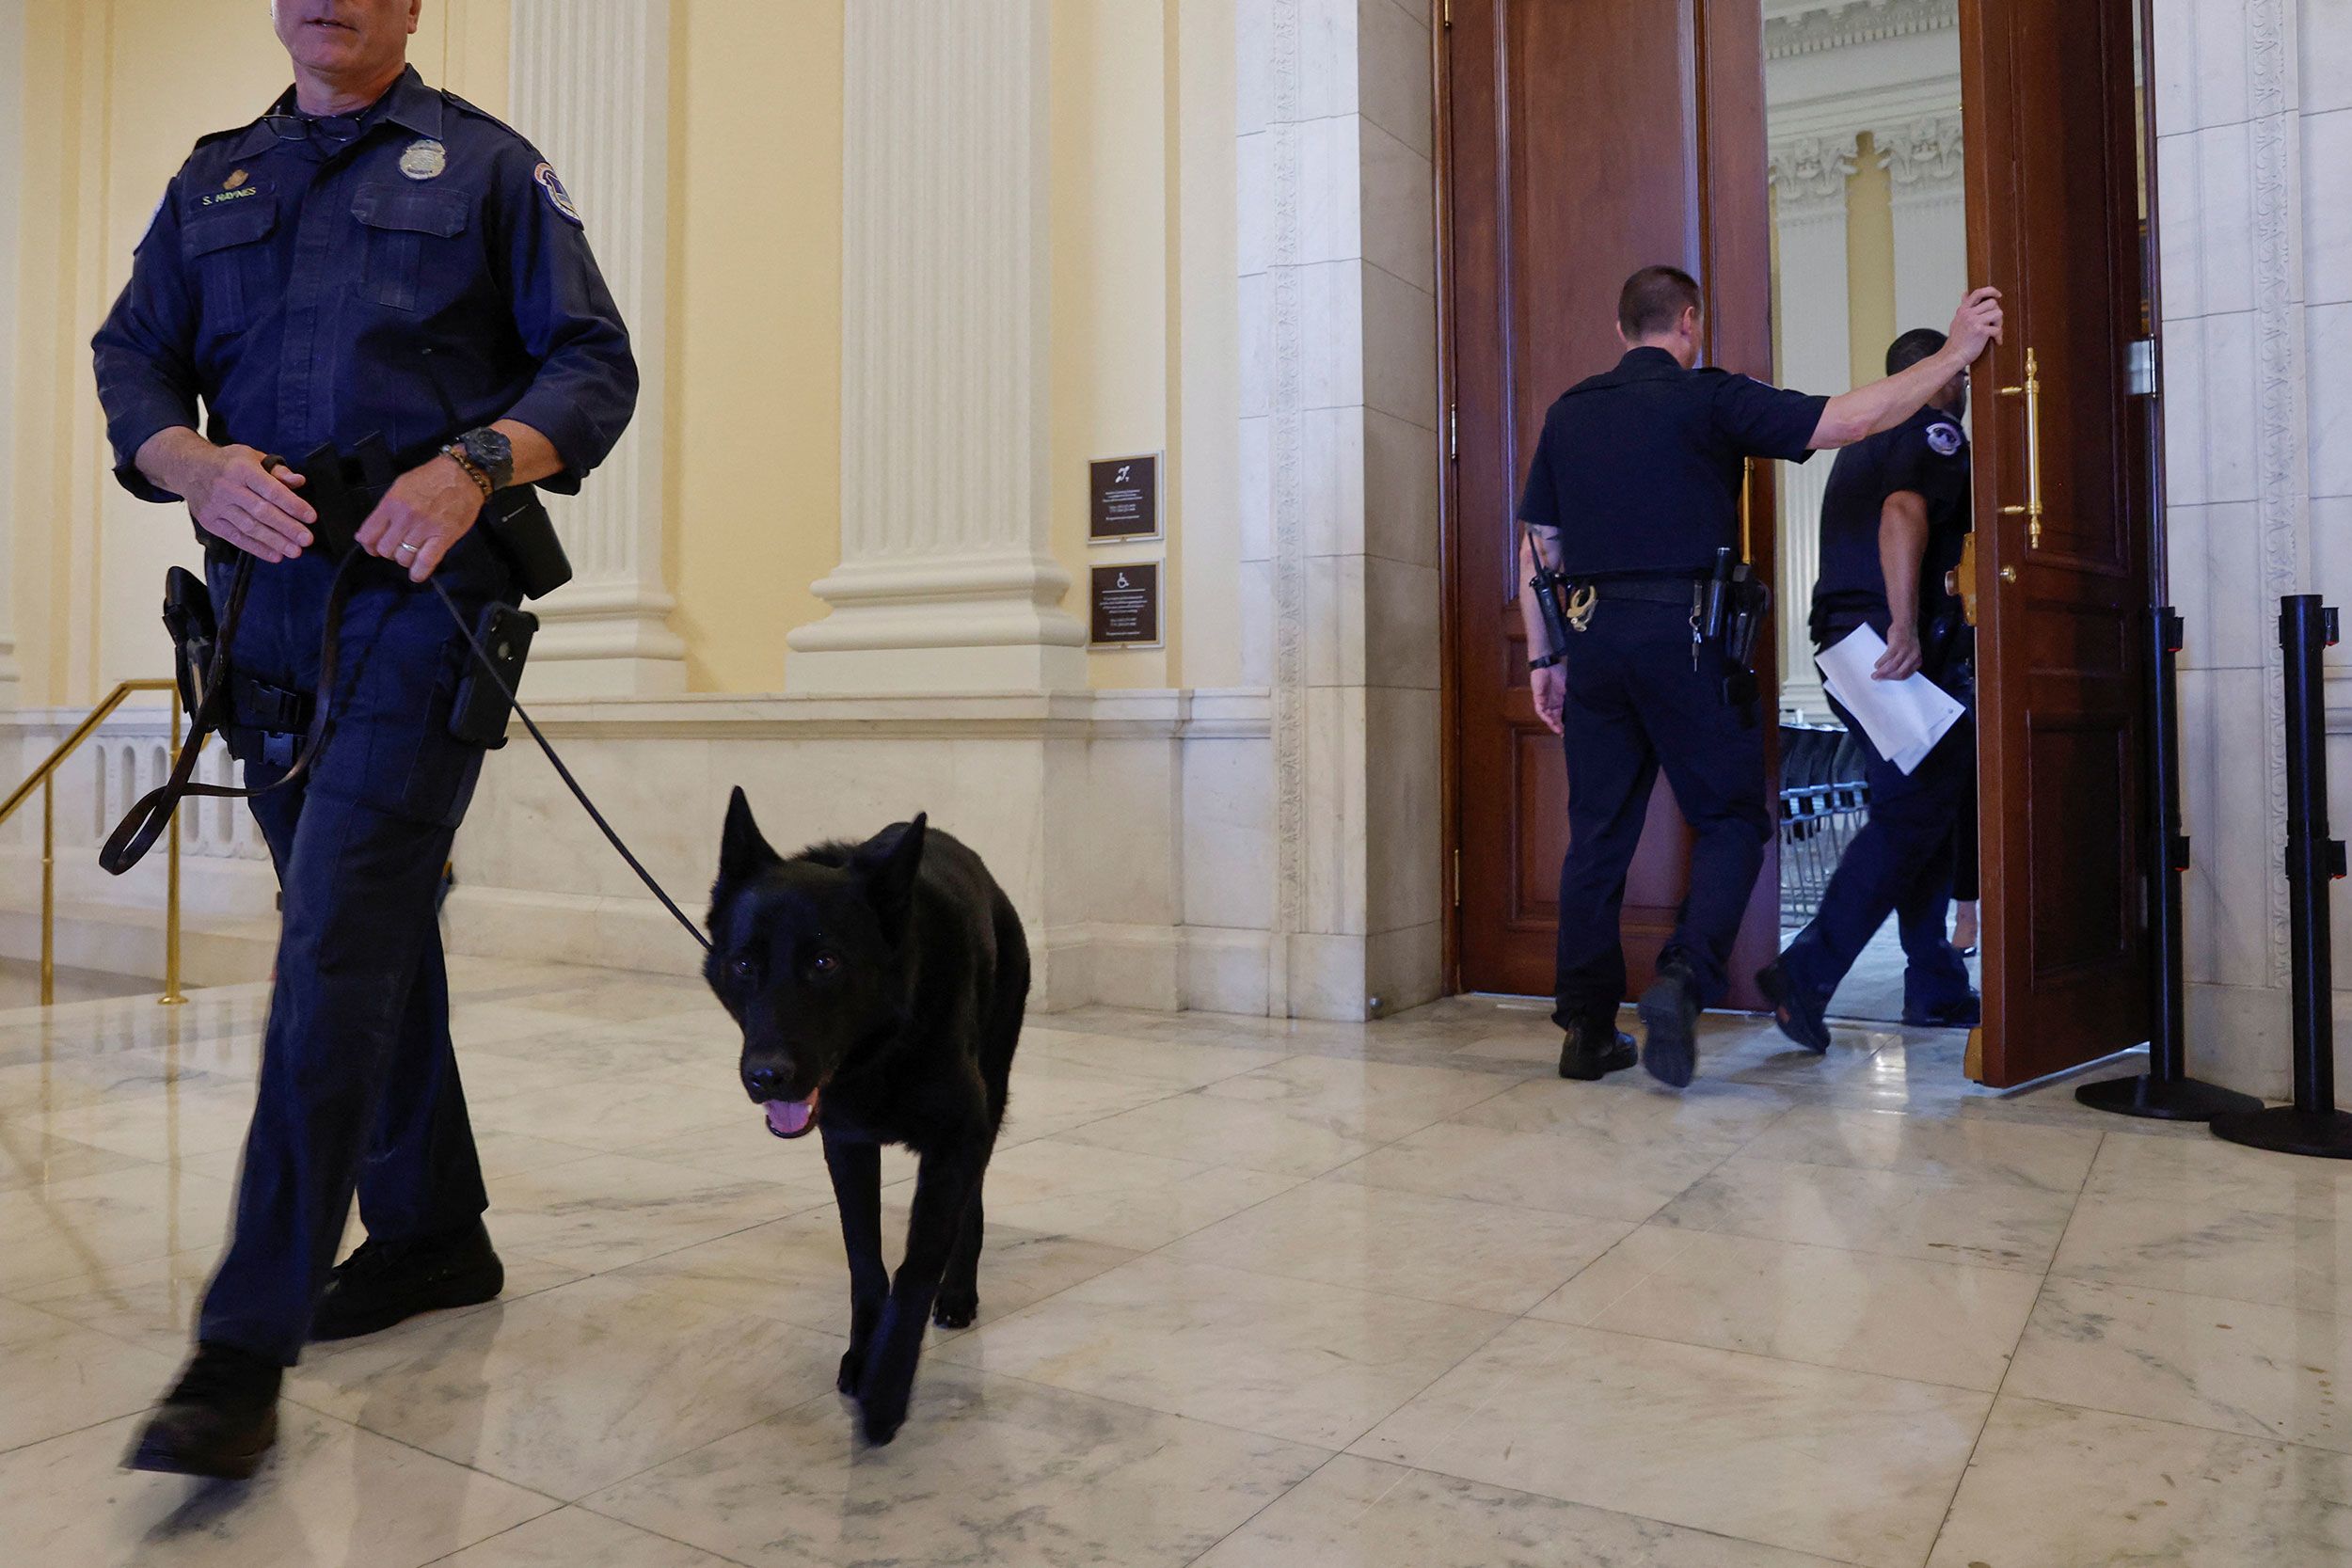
(407, 549)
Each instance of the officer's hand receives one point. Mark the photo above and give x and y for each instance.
(1551, 695)
(252, 507)
(424, 515)
(1901, 659)
(1975, 324)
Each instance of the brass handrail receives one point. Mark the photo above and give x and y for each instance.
(44, 778)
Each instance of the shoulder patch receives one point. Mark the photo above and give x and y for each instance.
(1944, 437)
(558, 198)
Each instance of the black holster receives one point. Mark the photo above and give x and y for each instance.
(188, 618)
(1747, 610)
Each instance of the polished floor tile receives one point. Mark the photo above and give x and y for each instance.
(2002, 1224)
(2300, 1260)
(2235, 1366)
(988, 1471)
(1441, 1250)
(328, 1494)
(573, 1388)
(2054, 1158)
(1313, 1363)
(1118, 1198)
(1863, 1311)
(2055, 1485)
(1367, 1515)
(1617, 1172)
(1758, 1324)
(1703, 1438)
(61, 1377)
(575, 1538)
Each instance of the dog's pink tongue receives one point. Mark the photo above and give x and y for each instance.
(790, 1119)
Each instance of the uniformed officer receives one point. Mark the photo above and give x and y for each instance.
(1635, 486)
(369, 257)
(1893, 518)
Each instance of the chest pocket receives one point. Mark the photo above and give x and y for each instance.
(408, 229)
(224, 252)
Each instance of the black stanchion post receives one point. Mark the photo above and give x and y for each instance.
(2165, 1090)
(2312, 1125)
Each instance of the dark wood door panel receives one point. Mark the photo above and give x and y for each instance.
(1581, 137)
(2054, 209)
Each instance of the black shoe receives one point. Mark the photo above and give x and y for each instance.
(1593, 1049)
(218, 1420)
(1961, 1012)
(383, 1283)
(1670, 1024)
(1795, 1012)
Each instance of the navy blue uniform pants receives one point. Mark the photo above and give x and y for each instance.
(1899, 863)
(1635, 705)
(358, 1084)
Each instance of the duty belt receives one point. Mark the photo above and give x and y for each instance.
(1676, 589)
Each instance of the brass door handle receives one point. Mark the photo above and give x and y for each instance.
(2031, 511)
(2009, 574)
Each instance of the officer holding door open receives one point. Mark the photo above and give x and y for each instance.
(1639, 622)
(1893, 518)
(371, 267)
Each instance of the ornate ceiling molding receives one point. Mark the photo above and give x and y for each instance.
(1811, 30)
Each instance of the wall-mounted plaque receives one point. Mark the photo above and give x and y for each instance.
(1127, 605)
(1123, 498)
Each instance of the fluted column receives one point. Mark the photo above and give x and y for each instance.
(947, 580)
(12, 93)
(590, 88)
(1808, 175)
(1922, 158)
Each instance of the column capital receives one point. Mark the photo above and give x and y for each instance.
(1809, 173)
(1922, 157)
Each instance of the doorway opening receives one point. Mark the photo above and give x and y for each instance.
(1863, 127)
(1578, 142)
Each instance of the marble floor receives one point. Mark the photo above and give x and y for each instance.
(1256, 1295)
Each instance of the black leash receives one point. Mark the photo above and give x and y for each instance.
(145, 821)
(489, 666)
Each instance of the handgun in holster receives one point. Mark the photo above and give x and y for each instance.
(1551, 590)
(1747, 608)
(195, 632)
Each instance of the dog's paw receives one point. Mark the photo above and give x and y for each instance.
(956, 1309)
(852, 1371)
(880, 1414)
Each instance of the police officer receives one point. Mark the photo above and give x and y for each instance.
(1635, 486)
(372, 257)
(1893, 517)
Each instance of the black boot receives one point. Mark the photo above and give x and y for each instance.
(1593, 1049)
(1794, 1007)
(1670, 1024)
(1959, 1012)
(218, 1420)
(382, 1283)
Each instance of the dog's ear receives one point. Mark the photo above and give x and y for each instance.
(742, 852)
(889, 862)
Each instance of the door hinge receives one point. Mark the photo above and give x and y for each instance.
(1457, 879)
(2139, 366)
(1453, 431)
(1445, 17)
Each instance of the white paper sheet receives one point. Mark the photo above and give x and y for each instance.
(1903, 718)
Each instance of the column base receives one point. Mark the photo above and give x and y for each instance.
(595, 641)
(961, 623)
(921, 671)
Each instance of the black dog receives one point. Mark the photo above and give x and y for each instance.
(879, 986)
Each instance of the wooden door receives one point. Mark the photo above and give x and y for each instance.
(2054, 221)
(1581, 139)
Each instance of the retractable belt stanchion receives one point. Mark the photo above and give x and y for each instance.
(2165, 1090)
(2312, 1125)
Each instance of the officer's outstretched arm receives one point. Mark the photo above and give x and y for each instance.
(1884, 404)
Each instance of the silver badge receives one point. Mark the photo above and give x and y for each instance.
(424, 160)
(1943, 439)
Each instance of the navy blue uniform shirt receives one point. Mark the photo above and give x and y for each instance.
(1640, 468)
(1927, 454)
(421, 278)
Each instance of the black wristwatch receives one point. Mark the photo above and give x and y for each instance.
(486, 453)
(1547, 662)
